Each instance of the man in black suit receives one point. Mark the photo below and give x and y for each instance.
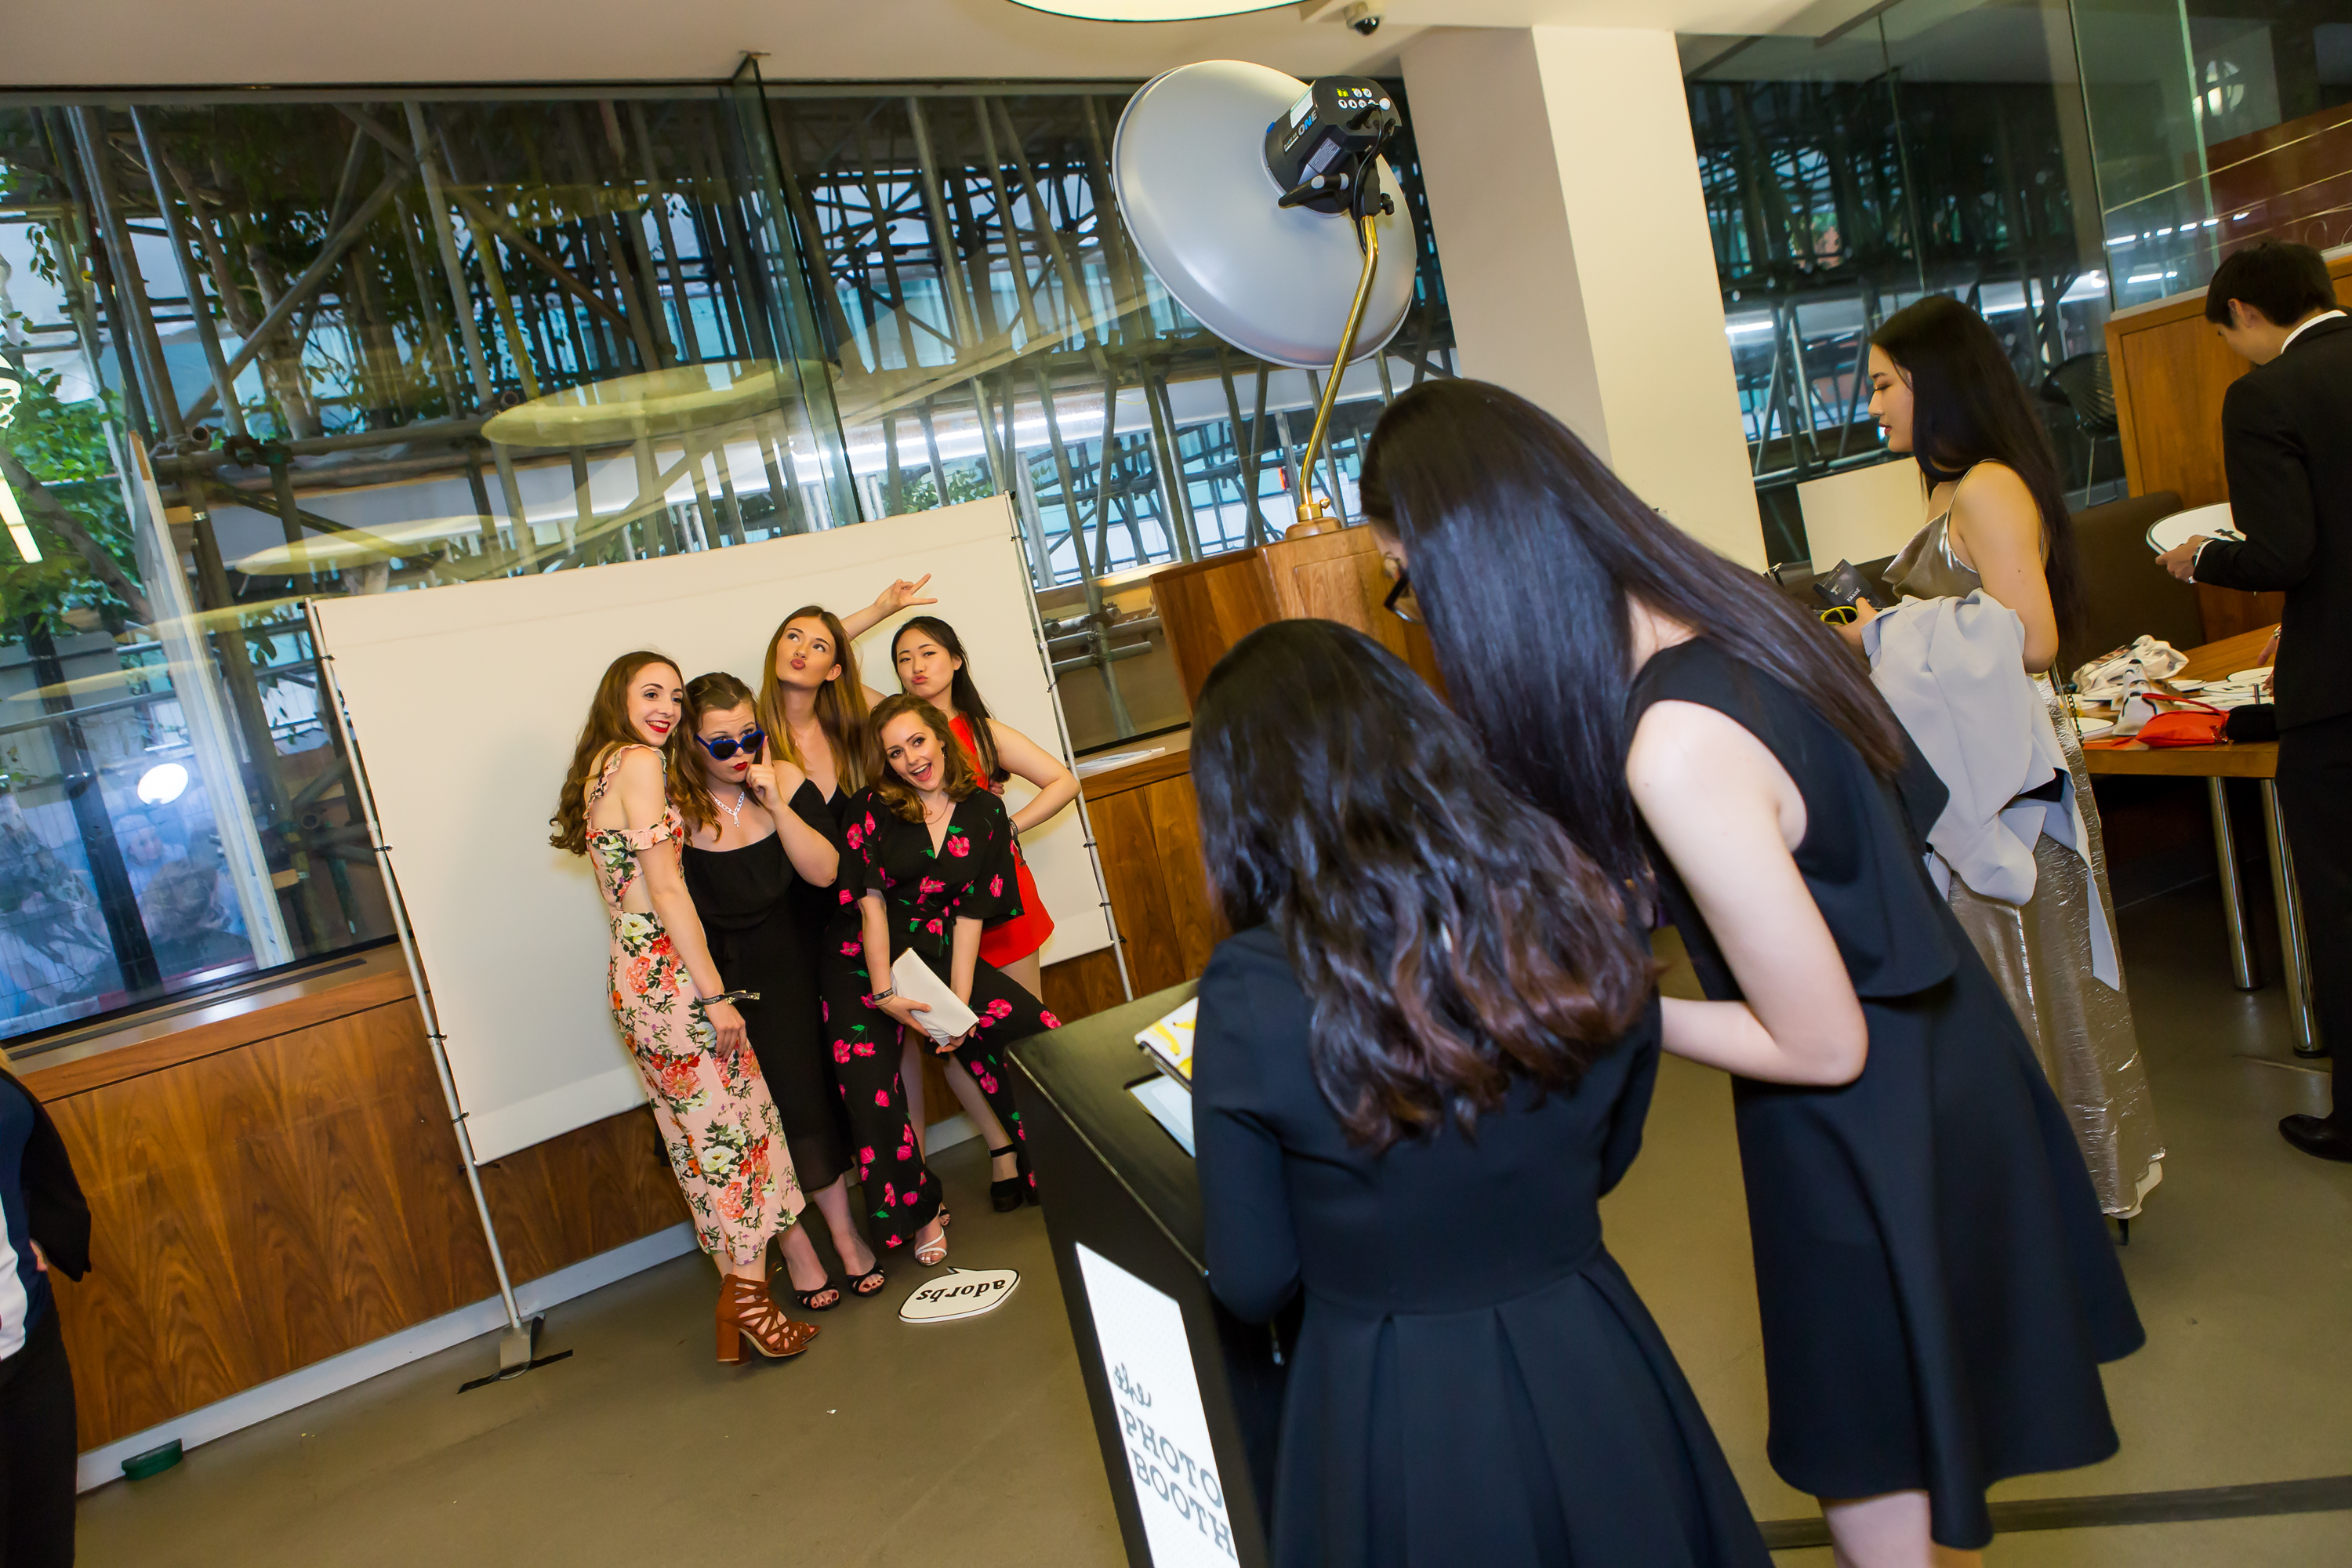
(2286, 440)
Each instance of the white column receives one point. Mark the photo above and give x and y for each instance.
(1564, 186)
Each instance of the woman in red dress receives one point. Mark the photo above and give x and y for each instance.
(931, 664)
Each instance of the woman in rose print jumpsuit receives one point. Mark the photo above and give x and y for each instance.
(716, 1122)
(934, 850)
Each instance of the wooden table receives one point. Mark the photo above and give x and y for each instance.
(2216, 765)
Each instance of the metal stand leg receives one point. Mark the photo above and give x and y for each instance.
(2292, 958)
(2243, 963)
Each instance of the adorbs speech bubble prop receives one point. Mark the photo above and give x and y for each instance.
(960, 1293)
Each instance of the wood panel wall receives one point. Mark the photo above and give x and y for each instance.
(2171, 371)
(1208, 606)
(265, 1202)
(1147, 829)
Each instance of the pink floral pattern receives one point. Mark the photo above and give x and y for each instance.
(725, 1143)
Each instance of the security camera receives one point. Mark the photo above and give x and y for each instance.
(1362, 17)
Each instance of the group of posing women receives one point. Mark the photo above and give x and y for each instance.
(1429, 1048)
(765, 858)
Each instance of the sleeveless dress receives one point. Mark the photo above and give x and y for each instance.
(725, 1143)
(1936, 1286)
(1475, 1380)
(2040, 952)
(744, 895)
(1025, 932)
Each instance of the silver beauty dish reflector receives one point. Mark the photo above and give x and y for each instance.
(1258, 199)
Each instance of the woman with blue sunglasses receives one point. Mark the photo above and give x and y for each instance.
(760, 861)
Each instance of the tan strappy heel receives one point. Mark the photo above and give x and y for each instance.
(747, 1312)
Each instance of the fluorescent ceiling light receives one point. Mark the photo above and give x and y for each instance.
(1150, 10)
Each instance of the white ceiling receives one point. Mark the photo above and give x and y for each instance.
(213, 43)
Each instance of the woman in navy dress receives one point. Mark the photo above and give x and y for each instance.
(1936, 1286)
(1418, 1065)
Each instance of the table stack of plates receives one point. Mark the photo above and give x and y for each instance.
(2246, 687)
(2168, 534)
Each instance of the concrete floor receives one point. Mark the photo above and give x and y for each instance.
(892, 1444)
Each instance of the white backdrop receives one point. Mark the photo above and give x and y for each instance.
(465, 702)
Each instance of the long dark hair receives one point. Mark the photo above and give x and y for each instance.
(1450, 937)
(960, 690)
(607, 726)
(1968, 407)
(1524, 550)
(897, 793)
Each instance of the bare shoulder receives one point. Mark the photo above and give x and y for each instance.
(640, 765)
(1994, 493)
(1687, 750)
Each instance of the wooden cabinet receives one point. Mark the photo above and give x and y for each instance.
(1147, 829)
(1207, 607)
(276, 1182)
(2171, 371)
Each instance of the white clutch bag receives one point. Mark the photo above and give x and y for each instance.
(948, 1019)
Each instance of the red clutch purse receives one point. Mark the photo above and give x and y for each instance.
(2200, 726)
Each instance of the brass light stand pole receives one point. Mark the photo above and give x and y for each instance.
(1313, 515)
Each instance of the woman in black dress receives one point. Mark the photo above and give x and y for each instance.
(813, 708)
(1936, 1286)
(937, 854)
(1418, 1065)
(747, 857)
(44, 1227)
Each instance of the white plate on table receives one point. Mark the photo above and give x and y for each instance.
(2252, 678)
(2169, 533)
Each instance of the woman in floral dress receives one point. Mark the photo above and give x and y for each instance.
(725, 1143)
(934, 850)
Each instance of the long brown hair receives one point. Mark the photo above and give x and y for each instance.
(689, 786)
(840, 705)
(1450, 938)
(607, 727)
(1526, 552)
(896, 793)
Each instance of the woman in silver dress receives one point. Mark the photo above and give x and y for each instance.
(1942, 388)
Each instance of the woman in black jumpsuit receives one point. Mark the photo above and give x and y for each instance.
(749, 867)
(932, 882)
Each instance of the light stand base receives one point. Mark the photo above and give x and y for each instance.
(1314, 518)
(518, 1347)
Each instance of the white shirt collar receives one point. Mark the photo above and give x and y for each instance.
(2323, 316)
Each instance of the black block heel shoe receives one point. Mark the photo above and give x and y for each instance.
(1008, 1193)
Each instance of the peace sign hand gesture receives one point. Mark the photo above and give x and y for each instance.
(901, 594)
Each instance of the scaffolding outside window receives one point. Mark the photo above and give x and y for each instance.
(273, 344)
(1926, 148)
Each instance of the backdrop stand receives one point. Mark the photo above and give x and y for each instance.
(1062, 727)
(519, 1340)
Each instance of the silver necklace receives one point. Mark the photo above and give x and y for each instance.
(735, 813)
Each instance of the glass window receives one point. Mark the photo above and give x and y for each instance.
(1927, 148)
(279, 345)
(2214, 131)
(995, 331)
